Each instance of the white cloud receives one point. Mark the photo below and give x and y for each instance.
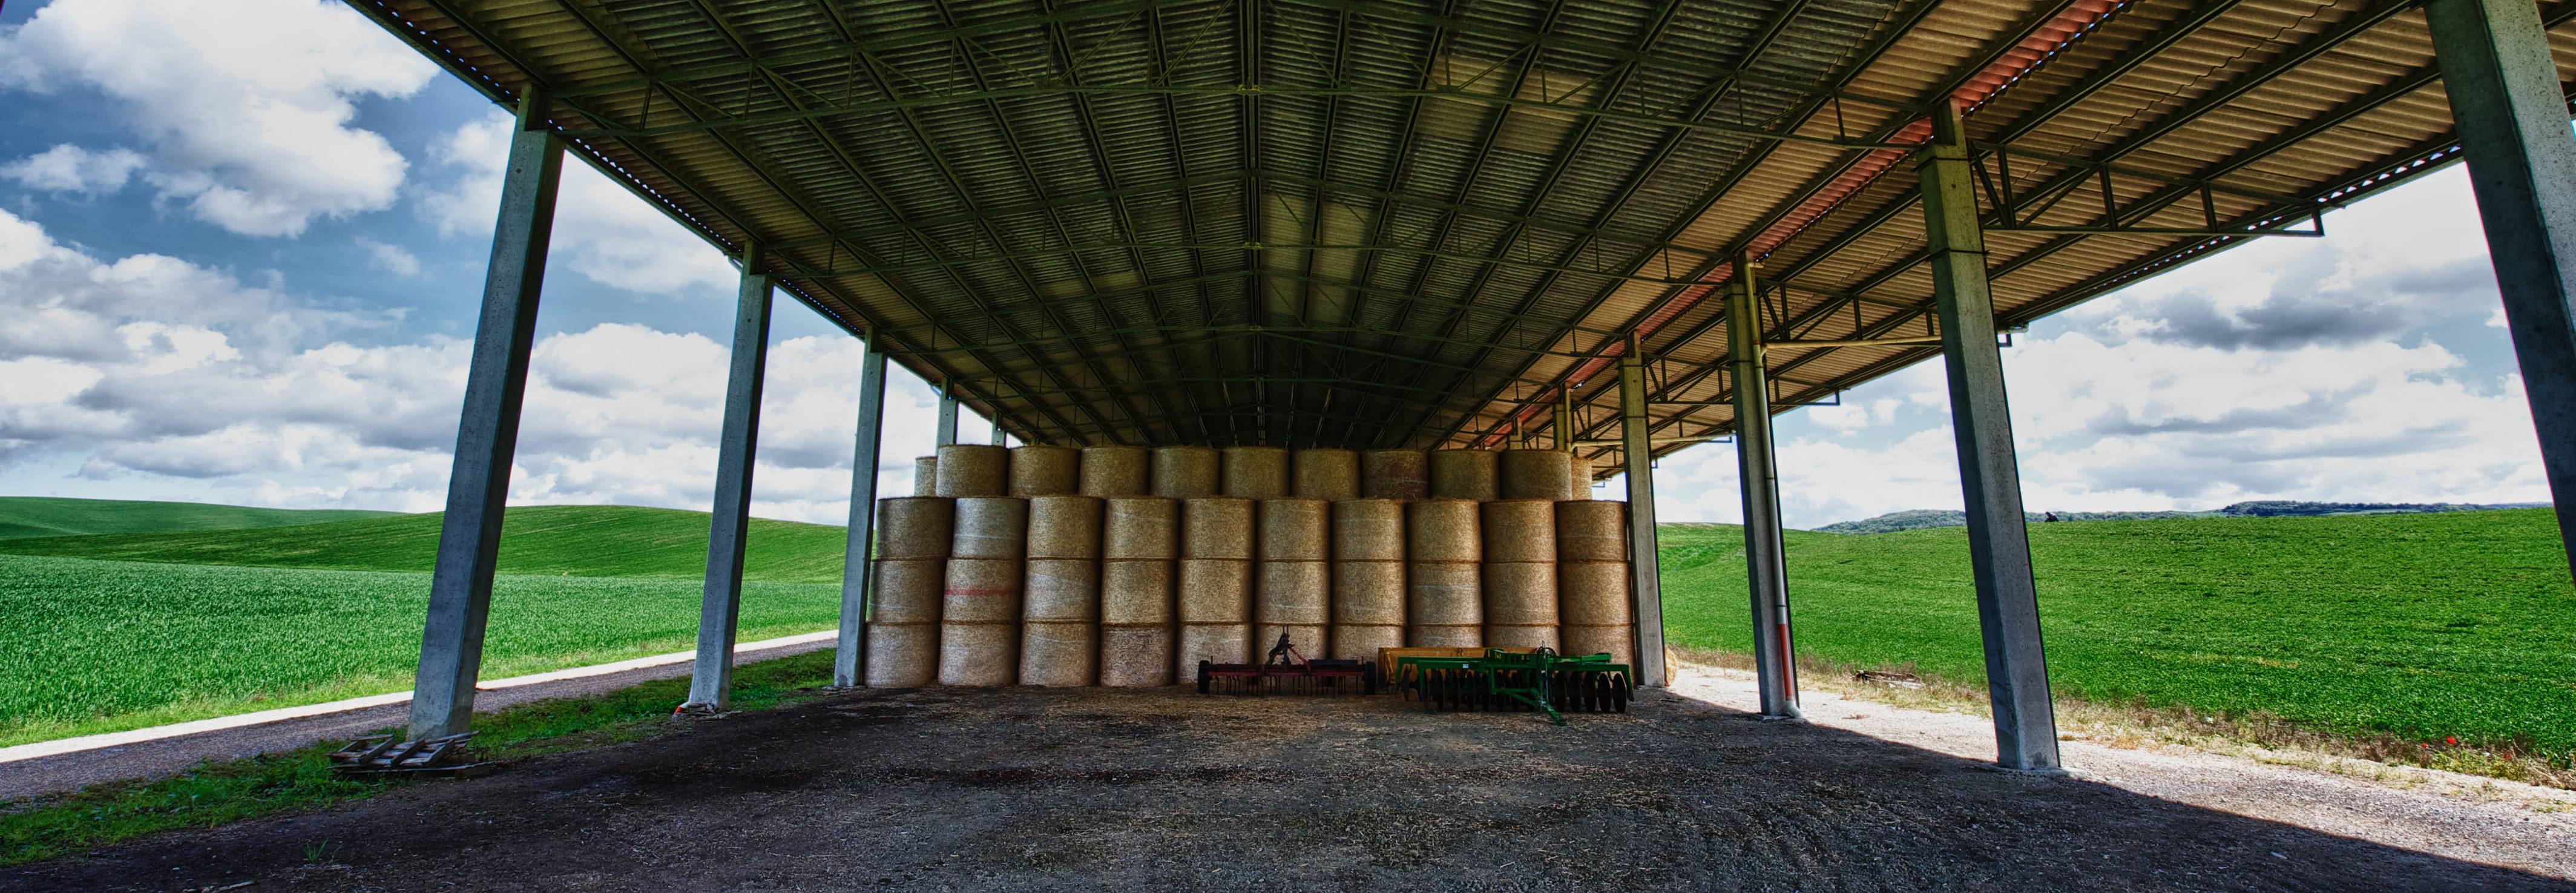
(70, 168)
(247, 105)
(389, 258)
(601, 230)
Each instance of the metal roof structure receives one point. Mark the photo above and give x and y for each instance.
(1369, 223)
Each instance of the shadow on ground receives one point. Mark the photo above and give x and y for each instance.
(1023, 789)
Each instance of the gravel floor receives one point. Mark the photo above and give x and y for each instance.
(1024, 789)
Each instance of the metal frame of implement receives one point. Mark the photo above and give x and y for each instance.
(1287, 670)
(1540, 679)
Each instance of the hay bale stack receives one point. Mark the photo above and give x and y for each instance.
(1329, 475)
(1465, 474)
(1520, 573)
(1109, 471)
(1294, 592)
(1040, 470)
(1141, 538)
(1443, 554)
(1595, 611)
(1187, 472)
(979, 608)
(925, 476)
(966, 469)
(1256, 472)
(1060, 614)
(1582, 479)
(1395, 474)
(1537, 474)
(909, 579)
(1214, 583)
(1368, 577)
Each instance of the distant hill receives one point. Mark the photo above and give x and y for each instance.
(32, 516)
(567, 540)
(1917, 519)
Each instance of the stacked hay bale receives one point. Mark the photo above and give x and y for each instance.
(1116, 471)
(1520, 573)
(1582, 478)
(1254, 472)
(1594, 614)
(1187, 472)
(1465, 474)
(1368, 577)
(1215, 583)
(1536, 474)
(1295, 589)
(1329, 475)
(979, 616)
(966, 469)
(1141, 537)
(1059, 631)
(1395, 474)
(1444, 595)
(910, 578)
(925, 476)
(1038, 470)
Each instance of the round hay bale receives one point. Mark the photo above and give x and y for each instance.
(1142, 527)
(1064, 527)
(1327, 475)
(1620, 642)
(1040, 470)
(906, 590)
(979, 654)
(967, 469)
(1256, 472)
(1362, 642)
(1443, 530)
(1537, 474)
(1395, 474)
(1214, 590)
(902, 655)
(1136, 593)
(1217, 527)
(1368, 530)
(980, 590)
(1117, 471)
(915, 527)
(1444, 604)
(1522, 637)
(1187, 472)
(991, 527)
(1519, 594)
(1592, 593)
(1059, 655)
(1225, 643)
(1582, 478)
(1294, 593)
(1465, 474)
(1592, 530)
(1520, 530)
(1368, 593)
(1061, 590)
(1295, 530)
(925, 476)
(1136, 656)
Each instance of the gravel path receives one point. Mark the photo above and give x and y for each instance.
(1027, 789)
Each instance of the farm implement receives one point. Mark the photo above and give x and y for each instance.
(1538, 679)
(1289, 671)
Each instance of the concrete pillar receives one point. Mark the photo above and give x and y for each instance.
(1766, 565)
(2512, 119)
(1564, 423)
(1645, 577)
(946, 433)
(487, 433)
(849, 657)
(711, 680)
(1998, 538)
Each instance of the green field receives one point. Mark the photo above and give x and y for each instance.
(45, 516)
(2417, 626)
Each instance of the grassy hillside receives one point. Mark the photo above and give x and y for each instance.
(25, 516)
(2421, 626)
(562, 540)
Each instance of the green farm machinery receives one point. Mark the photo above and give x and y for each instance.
(1538, 679)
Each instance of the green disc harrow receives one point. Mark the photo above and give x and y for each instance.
(1540, 680)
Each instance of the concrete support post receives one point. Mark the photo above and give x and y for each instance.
(946, 433)
(1564, 422)
(849, 657)
(1766, 565)
(2512, 118)
(487, 433)
(1989, 475)
(711, 679)
(1645, 576)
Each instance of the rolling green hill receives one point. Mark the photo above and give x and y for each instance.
(28, 516)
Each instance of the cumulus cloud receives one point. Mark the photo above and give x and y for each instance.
(601, 230)
(389, 258)
(248, 106)
(70, 168)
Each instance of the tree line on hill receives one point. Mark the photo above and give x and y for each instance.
(1917, 519)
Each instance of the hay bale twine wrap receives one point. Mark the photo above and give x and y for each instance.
(1294, 597)
(1395, 474)
(915, 527)
(991, 527)
(1256, 472)
(1060, 616)
(1582, 479)
(1465, 474)
(1536, 474)
(1444, 604)
(1325, 474)
(1520, 604)
(1217, 527)
(1116, 471)
(1215, 602)
(979, 622)
(1593, 609)
(1592, 530)
(903, 620)
(925, 476)
(1041, 470)
(967, 469)
(1517, 530)
(1188, 472)
(1140, 538)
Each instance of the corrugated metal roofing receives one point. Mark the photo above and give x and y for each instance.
(1371, 223)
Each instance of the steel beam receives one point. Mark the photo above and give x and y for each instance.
(1989, 475)
(487, 434)
(1766, 563)
(2512, 120)
(711, 680)
(1645, 575)
(946, 433)
(850, 654)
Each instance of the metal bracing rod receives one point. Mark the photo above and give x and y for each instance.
(849, 653)
(2512, 116)
(1766, 563)
(1989, 475)
(487, 434)
(711, 677)
(1645, 568)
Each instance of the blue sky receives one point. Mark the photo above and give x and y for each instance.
(241, 246)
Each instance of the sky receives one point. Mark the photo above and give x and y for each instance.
(242, 248)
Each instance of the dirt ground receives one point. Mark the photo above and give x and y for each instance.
(1024, 789)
